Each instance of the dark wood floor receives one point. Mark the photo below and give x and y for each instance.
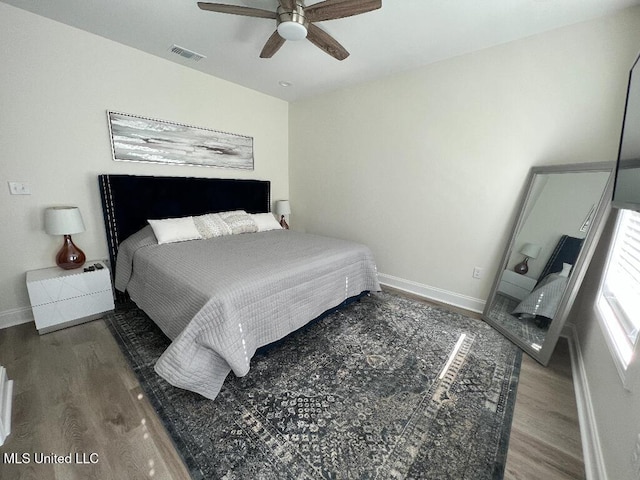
(74, 392)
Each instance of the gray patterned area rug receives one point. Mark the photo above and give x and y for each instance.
(386, 387)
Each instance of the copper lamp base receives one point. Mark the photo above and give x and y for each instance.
(70, 256)
(522, 268)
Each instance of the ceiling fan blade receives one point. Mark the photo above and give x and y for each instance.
(236, 10)
(326, 42)
(272, 46)
(332, 9)
(288, 5)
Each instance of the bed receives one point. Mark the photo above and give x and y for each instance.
(543, 302)
(220, 299)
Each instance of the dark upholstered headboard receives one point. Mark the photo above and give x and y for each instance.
(128, 201)
(566, 251)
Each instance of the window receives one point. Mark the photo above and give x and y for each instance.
(619, 296)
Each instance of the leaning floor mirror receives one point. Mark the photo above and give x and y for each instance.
(552, 240)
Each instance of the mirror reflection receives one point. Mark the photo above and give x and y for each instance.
(556, 217)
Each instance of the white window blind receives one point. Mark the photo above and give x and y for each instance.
(619, 297)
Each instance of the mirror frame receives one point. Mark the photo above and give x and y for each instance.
(590, 241)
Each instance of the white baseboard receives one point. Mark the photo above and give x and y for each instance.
(432, 293)
(591, 448)
(16, 316)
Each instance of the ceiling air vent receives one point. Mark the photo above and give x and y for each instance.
(188, 54)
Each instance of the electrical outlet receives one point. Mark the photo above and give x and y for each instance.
(477, 273)
(19, 188)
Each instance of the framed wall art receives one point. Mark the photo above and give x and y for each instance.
(141, 139)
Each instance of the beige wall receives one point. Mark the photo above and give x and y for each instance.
(426, 167)
(56, 84)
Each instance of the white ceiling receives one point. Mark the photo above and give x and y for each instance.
(403, 34)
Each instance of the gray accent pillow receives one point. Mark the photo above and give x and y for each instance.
(211, 225)
(239, 221)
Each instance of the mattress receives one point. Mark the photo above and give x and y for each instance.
(220, 299)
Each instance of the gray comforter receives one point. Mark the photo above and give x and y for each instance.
(218, 300)
(545, 299)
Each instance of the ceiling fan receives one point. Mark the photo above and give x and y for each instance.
(296, 21)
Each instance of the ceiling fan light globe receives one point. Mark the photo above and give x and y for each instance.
(292, 31)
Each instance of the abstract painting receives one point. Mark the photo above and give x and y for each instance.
(140, 139)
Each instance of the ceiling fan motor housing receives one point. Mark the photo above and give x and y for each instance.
(296, 22)
(292, 25)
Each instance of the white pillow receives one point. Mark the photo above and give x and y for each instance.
(175, 230)
(265, 222)
(211, 225)
(566, 269)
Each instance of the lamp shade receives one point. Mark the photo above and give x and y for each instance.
(283, 207)
(63, 221)
(530, 250)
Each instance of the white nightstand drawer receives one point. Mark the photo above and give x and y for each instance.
(513, 291)
(59, 313)
(523, 281)
(515, 285)
(61, 298)
(65, 284)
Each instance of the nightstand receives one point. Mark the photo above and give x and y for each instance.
(515, 285)
(62, 298)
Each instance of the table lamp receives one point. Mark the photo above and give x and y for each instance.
(283, 208)
(529, 250)
(65, 221)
